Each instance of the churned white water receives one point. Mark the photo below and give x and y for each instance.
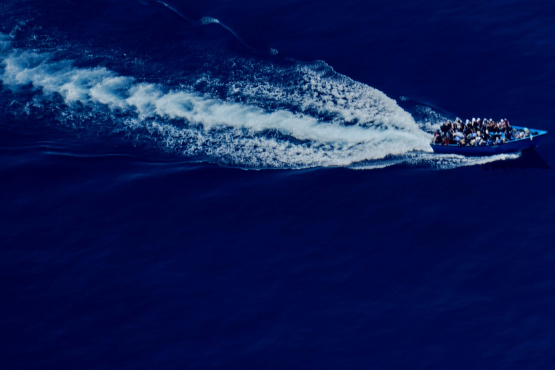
(320, 119)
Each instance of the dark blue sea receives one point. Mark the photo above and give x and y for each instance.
(248, 185)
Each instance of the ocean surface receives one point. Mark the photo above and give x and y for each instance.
(248, 185)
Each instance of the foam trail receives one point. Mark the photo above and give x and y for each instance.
(182, 120)
(298, 116)
(102, 86)
(436, 161)
(209, 20)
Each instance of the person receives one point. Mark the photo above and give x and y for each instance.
(480, 140)
(508, 131)
(437, 138)
(458, 136)
(471, 136)
(444, 127)
(460, 124)
(466, 130)
(489, 127)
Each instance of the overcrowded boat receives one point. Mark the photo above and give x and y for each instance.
(484, 137)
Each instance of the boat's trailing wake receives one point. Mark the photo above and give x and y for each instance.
(298, 116)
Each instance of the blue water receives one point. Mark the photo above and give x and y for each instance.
(248, 185)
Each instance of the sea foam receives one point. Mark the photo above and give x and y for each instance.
(319, 119)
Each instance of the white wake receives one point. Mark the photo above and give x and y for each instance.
(316, 119)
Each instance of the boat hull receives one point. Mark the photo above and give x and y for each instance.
(509, 147)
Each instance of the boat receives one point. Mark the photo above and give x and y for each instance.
(508, 147)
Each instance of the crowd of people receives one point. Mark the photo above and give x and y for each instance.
(477, 132)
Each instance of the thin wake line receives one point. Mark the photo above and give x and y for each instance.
(177, 12)
(208, 20)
